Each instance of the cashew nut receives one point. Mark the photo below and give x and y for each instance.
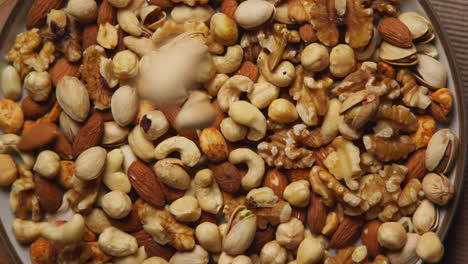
(282, 76)
(207, 192)
(117, 243)
(230, 61)
(8, 144)
(27, 231)
(113, 176)
(216, 83)
(231, 90)
(189, 152)
(244, 113)
(172, 173)
(262, 94)
(128, 19)
(138, 257)
(256, 165)
(70, 232)
(47, 164)
(141, 46)
(140, 145)
(232, 131)
(129, 157)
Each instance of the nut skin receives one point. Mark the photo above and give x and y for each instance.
(213, 144)
(392, 235)
(429, 248)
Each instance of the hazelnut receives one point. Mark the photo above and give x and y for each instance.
(297, 193)
(119, 3)
(38, 85)
(315, 57)
(85, 11)
(208, 236)
(392, 235)
(342, 60)
(290, 234)
(154, 124)
(241, 259)
(429, 248)
(116, 204)
(47, 164)
(282, 111)
(125, 65)
(272, 253)
(224, 29)
(311, 250)
(186, 209)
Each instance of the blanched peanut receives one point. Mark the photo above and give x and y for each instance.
(392, 235)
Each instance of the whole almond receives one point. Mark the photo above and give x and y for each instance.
(316, 214)
(90, 33)
(37, 15)
(89, 135)
(229, 7)
(107, 13)
(152, 248)
(369, 238)
(347, 233)
(227, 176)
(395, 32)
(48, 193)
(90, 163)
(250, 70)
(416, 165)
(34, 110)
(63, 68)
(63, 147)
(146, 184)
(277, 181)
(38, 136)
(73, 98)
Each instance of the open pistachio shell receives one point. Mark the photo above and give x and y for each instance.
(365, 53)
(398, 56)
(359, 108)
(407, 255)
(442, 151)
(431, 72)
(426, 217)
(428, 49)
(240, 231)
(418, 25)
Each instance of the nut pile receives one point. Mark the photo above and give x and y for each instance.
(325, 131)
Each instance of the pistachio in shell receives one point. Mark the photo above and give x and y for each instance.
(408, 253)
(428, 49)
(426, 217)
(366, 53)
(359, 108)
(430, 72)
(437, 188)
(420, 28)
(442, 151)
(398, 56)
(240, 231)
(252, 14)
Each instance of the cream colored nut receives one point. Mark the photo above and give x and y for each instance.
(38, 86)
(141, 46)
(105, 68)
(68, 126)
(129, 157)
(224, 29)
(425, 218)
(331, 224)
(207, 192)
(231, 90)
(185, 209)
(120, 3)
(11, 116)
(183, 13)
(232, 131)
(437, 188)
(208, 236)
(171, 172)
(262, 94)
(124, 105)
(114, 135)
(125, 65)
(56, 22)
(429, 248)
(113, 177)
(107, 36)
(253, 14)
(189, 152)
(85, 11)
(216, 83)
(229, 62)
(282, 76)
(70, 232)
(246, 114)
(315, 57)
(262, 197)
(116, 204)
(297, 193)
(117, 243)
(97, 221)
(27, 231)
(138, 257)
(197, 112)
(129, 22)
(241, 259)
(282, 111)
(155, 260)
(154, 124)
(140, 145)
(273, 253)
(342, 60)
(392, 235)
(222, 229)
(408, 253)
(197, 256)
(254, 162)
(90, 163)
(47, 164)
(73, 98)
(329, 129)
(11, 83)
(8, 170)
(359, 254)
(290, 234)
(310, 251)
(8, 144)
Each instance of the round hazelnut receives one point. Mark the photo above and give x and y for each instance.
(85, 11)
(241, 259)
(125, 64)
(47, 164)
(282, 111)
(186, 209)
(342, 60)
(429, 248)
(311, 250)
(392, 235)
(116, 204)
(154, 124)
(315, 57)
(272, 253)
(297, 193)
(224, 29)
(38, 85)
(437, 188)
(8, 170)
(208, 236)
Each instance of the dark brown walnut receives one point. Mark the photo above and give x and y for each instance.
(227, 176)
(359, 25)
(48, 193)
(325, 20)
(316, 214)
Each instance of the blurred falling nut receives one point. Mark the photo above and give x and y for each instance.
(197, 112)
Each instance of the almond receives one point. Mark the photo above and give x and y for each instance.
(299, 213)
(227, 176)
(298, 174)
(171, 113)
(347, 233)
(130, 223)
(89, 135)
(220, 115)
(416, 165)
(152, 248)
(277, 181)
(316, 214)
(369, 238)
(90, 33)
(34, 110)
(395, 32)
(107, 13)
(261, 238)
(38, 136)
(162, 3)
(37, 15)
(63, 147)
(250, 70)
(48, 193)
(229, 7)
(146, 184)
(63, 68)
(307, 33)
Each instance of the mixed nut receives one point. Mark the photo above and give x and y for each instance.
(319, 129)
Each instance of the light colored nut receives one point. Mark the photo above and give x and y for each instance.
(253, 14)
(425, 218)
(47, 164)
(229, 62)
(240, 231)
(315, 57)
(119, 3)
(117, 243)
(129, 22)
(253, 177)
(124, 105)
(248, 115)
(242, 259)
(116, 204)
(290, 234)
(329, 128)
(68, 126)
(429, 248)
(189, 152)
(216, 83)
(27, 231)
(70, 232)
(183, 13)
(359, 254)
(196, 113)
(105, 68)
(171, 172)
(331, 224)
(129, 157)
(8, 170)
(342, 60)
(137, 257)
(262, 94)
(155, 260)
(8, 143)
(232, 131)
(262, 197)
(209, 237)
(282, 76)
(114, 135)
(113, 177)
(140, 145)
(408, 253)
(90, 163)
(273, 253)
(125, 65)
(38, 85)
(11, 83)
(392, 235)
(107, 36)
(207, 192)
(186, 209)
(437, 188)
(297, 193)
(97, 221)
(154, 124)
(224, 29)
(311, 250)
(73, 98)
(282, 111)
(196, 256)
(213, 144)
(84, 11)
(232, 89)
(141, 46)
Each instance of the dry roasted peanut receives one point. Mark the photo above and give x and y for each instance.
(107, 36)
(140, 145)
(229, 62)
(8, 170)
(213, 145)
(392, 235)
(290, 234)
(224, 29)
(240, 231)
(73, 98)
(315, 57)
(171, 172)
(124, 105)
(11, 83)
(429, 248)
(189, 152)
(248, 115)
(342, 60)
(196, 256)
(232, 131)
(85, 11)
(311, 250)
(117, 243)
(297, 193)
(70, 232)
(207, 192)
(254, 162)
(186, 209)
(209, 237)
(116, 204)
(90, 163)
(437, 188)
(272, 252)
(282, 111)
(154, 124)
(47, 164)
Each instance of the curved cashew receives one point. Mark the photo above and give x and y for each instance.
(140, 145)
(27, 231)
(231, 90)
(128, 19)
(70, 232)
(207, 191)
(189, 152)
(256, 165)
(113, 176)
(117, 243)
(231, 61)
(282, 76)
(246, 114)
(262, 94)
(216, 83)
(129, 157)
(8, 144)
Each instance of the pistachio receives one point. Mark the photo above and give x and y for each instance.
(124, 105)
(240, 231)
(437, 188)
(431, 72)
(428, 49)
(442, 151)
(398, 56)
(152, 16)
(426, 217)
(90, 163)
(359, 108)
(408, 253)
(114, 135)
(73, 98)
(252, 14)
(420, 28)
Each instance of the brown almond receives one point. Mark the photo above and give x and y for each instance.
(307, 33)
(34, 110)
(316, 214)
(63, 147)
(38, 136)
(130, 223)
(395, 32)
(277, 181)
(62, 68)
(146, 184)
(229, 7)
(48, 193)
(261, 238)
(152, 248)
(347, 233)
(250, 70)
(369, 238)
(298, 174)
(416, 166)
(220, 115)
(227, 176)
(37, 15)
(299, 213)
(90, 33)
(89, 135)
(107, 13)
